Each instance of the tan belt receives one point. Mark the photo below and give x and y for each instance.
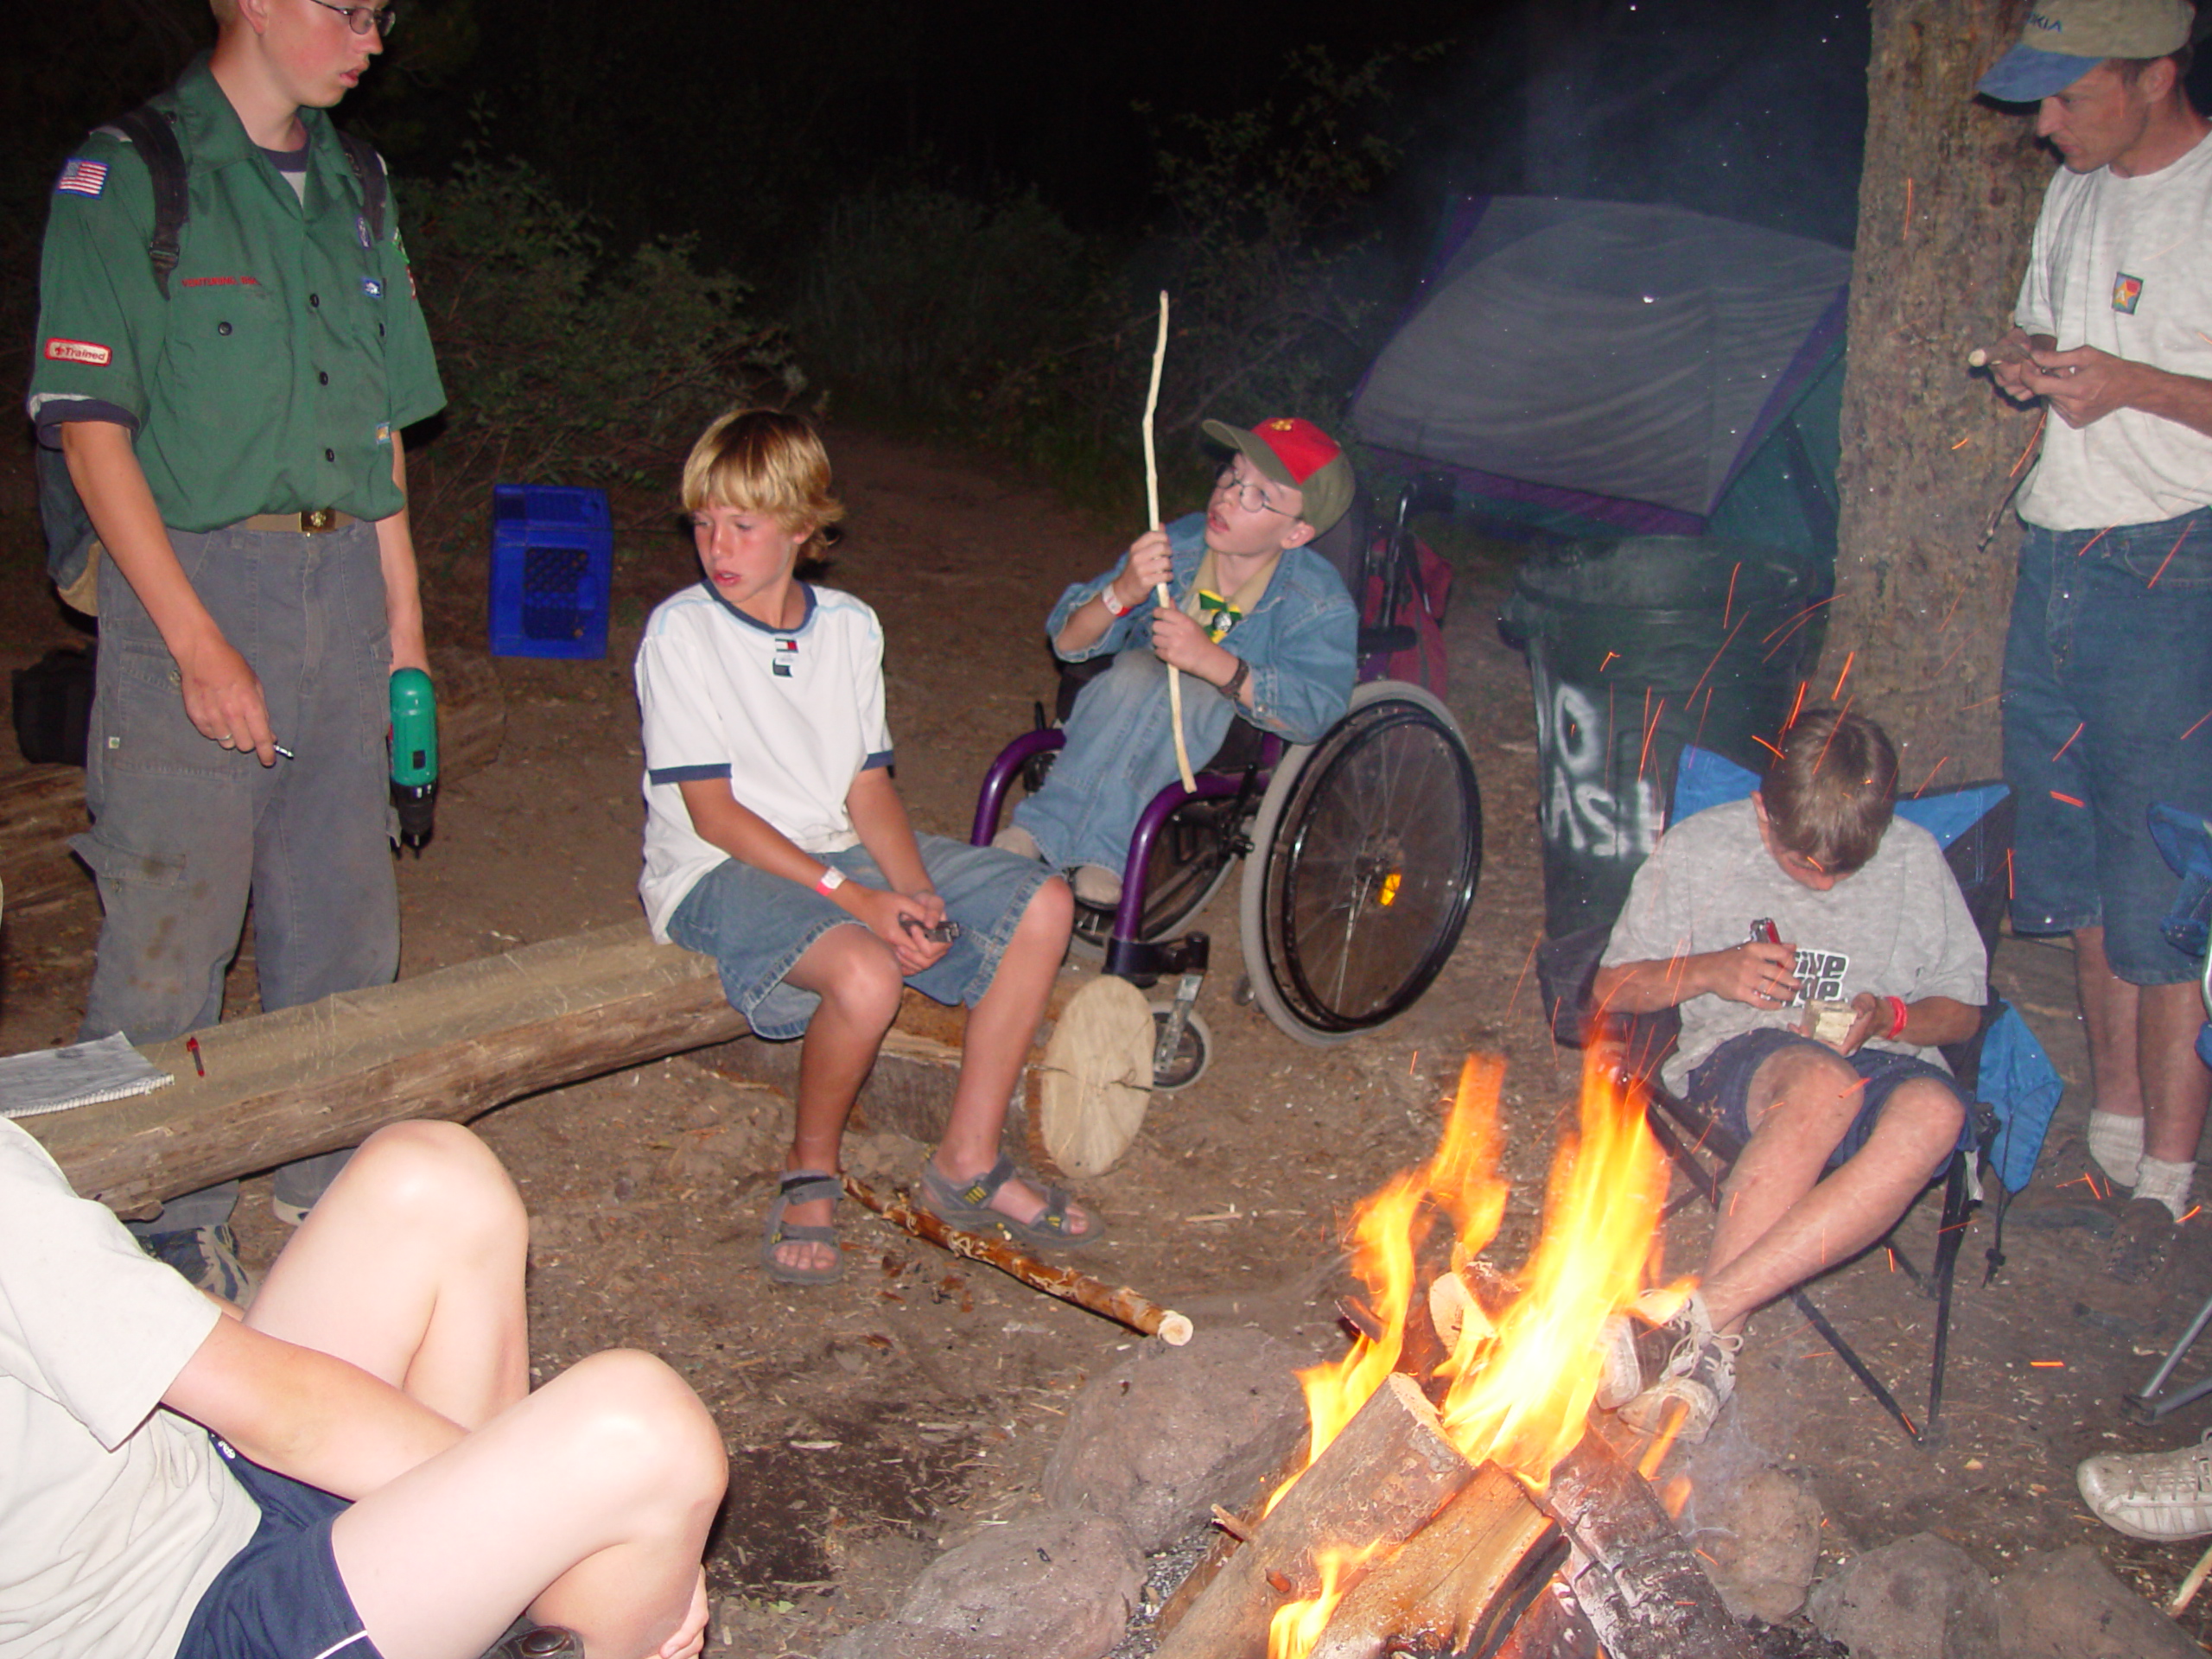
(315, 521)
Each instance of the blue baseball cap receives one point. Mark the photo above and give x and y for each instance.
(2064, 40)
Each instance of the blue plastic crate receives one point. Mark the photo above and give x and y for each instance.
(552, 570)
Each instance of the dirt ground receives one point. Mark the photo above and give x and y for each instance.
(873, 1423)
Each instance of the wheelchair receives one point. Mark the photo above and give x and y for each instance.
(1360, 852)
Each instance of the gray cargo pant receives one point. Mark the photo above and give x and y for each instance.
(185, 832)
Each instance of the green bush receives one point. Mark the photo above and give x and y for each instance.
(561, 364)
(921, 299)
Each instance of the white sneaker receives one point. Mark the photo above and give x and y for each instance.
(2151, 1494)
(1639, 1348)
(1696, 1392)
(1018, 841)
(1097, 886)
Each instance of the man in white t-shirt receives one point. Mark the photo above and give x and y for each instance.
(356, 1467)
(2109, 663)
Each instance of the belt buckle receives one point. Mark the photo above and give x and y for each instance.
(315, 520)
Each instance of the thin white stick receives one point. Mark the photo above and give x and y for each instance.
(2191, 1585)
(1152, 522)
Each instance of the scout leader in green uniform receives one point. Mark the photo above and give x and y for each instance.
(234, 434)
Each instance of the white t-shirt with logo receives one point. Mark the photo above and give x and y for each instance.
(789, 716)
(2123, 264)
(1899, 926)
(115, 1514)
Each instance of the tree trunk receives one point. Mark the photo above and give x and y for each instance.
(1946, 203)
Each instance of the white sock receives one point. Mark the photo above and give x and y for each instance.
(2167, 1183)
(2116, 1143)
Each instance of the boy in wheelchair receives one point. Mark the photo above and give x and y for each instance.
(1745, 916)
(1261, 626)
(356, 1465)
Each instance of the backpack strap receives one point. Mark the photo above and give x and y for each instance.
(153, 134)
(368, 168)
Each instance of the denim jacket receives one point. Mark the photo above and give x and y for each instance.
(1299, 640)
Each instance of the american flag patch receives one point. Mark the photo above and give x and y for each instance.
(82, 178)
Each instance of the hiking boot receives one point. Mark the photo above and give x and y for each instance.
(1097, 886)
(1695, 1393)
(2151, 1494)
(1018, 841)
(209, 1257)
(1638, 1353)
(2141, 1243)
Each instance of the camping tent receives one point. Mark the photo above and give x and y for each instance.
(1597, 369)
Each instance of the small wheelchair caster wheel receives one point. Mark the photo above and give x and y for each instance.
(1192, 1055)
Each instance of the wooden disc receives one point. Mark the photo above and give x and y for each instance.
(1096, 1080)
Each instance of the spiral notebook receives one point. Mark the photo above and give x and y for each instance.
(83, 1074)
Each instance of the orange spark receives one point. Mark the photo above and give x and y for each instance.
(1907, 235)
(2068, 799)
(1962, 443)
(2168, 560)
(2048, 1364)
(1798, 704)
(1768, 746)
(1728, 604)
(1608, 657)
(2068, 743)
(2191, 731)
(2093, 541)
(1930, 778)
(2031, 449)
(1848, 658)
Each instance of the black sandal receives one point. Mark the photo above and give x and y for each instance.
(801, 1186)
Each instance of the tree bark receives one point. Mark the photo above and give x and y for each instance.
(1948, 198)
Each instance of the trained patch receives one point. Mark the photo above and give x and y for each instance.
(78, 350)
(372, 288)
(361, 228)
(2125, 291)
(82, 178)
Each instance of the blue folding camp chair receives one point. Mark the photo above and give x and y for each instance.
(2002, 1065)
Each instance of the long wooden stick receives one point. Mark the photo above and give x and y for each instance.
(1116, 1302)
(1152, 522)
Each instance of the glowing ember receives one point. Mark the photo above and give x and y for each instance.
(1298, 1625)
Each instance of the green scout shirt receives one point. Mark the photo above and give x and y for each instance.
(288, 350)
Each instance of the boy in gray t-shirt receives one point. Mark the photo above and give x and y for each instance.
(1808, 892)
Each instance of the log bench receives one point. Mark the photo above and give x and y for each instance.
(453, 1044)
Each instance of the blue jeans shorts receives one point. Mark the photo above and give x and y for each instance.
(2108, 685)
(280, 1597)
(1721, 1084)
(756, 926)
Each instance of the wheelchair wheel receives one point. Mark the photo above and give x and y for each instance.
(1192, 1055)
(1365, 857)
(1189, 861)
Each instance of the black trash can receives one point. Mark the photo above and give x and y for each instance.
(1635, 648)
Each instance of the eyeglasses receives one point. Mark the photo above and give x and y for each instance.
(1247, 494)
(362, 19)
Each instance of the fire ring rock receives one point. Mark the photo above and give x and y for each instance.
(1159, 1439)
(1921, 1598)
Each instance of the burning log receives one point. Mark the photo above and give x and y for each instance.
(1116, 1302)
(1377, 1484)
(1635, 1578)
(1459, 1583)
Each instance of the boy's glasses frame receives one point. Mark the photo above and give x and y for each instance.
(362, 19)
(1248, 494)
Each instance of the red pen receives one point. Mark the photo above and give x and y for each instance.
(192, 1047)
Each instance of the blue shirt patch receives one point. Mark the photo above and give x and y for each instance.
(82, 178)
(372, 288)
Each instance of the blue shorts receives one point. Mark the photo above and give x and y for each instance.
(756, 926)
(2108, 685)
(1721, 1084)
(280, 1597)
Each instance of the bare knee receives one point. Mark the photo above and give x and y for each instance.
(1049, 915)
(438, 1174)
(629, 1415)
(1923, 1116)
(858, 978)
(1805, 1086)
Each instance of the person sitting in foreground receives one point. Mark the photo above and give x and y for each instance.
(1744, 915)
(356, 1467)
(1258, 617)
(777, 844)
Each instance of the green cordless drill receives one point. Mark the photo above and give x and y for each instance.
(414, 755)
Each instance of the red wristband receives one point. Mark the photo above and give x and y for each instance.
(1899, 1014)
(829, 881)
(1106, 598)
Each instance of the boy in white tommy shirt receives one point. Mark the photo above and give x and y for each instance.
(777, 844)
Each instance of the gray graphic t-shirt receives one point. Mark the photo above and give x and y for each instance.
(1898, 927)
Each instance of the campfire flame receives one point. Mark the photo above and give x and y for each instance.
(1523, 1380)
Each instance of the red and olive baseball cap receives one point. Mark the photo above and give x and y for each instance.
(1287, 450)
(2062, 39)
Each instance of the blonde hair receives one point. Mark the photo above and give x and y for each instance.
(764, 461)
